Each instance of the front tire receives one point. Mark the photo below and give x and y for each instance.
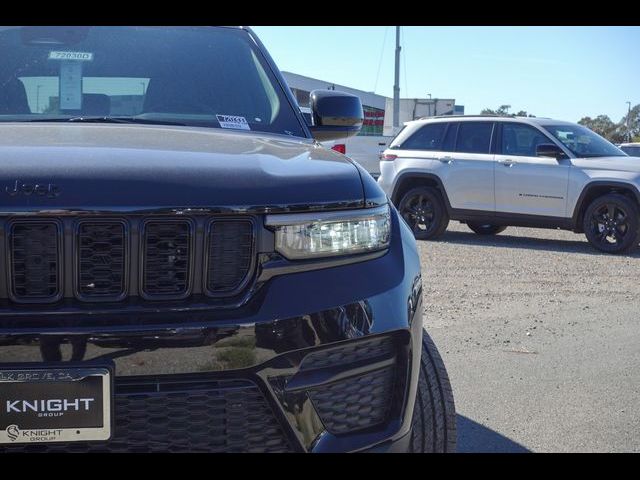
(486, 229)
(434, 415)
(424, 211)
(612, 223)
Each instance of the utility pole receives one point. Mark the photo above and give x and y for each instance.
(38, 98)
(629, 123)
(396, 85)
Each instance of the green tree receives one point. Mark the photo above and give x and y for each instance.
(503, 111)
(634, 125)
(604, 127)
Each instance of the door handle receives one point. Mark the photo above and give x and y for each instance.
(507, 162)
(447, 160)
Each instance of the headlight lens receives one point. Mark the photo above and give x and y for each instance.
(300, 236)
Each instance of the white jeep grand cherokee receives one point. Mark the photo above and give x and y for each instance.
(492, 172)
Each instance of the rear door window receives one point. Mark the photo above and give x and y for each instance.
(448, 144)
(474, 137)
(428, 137)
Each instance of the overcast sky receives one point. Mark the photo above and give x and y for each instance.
(559, 72)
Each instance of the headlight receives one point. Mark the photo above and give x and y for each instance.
(312, 235)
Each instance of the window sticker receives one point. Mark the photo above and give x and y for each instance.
(79, 56)
(70, 85)
(233, 121)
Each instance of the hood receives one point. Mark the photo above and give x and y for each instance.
(143, 167)
(621, 164)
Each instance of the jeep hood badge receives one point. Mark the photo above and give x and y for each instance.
(42, 189)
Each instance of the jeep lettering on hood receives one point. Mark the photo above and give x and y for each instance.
(142, 166)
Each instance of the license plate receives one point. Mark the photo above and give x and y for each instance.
(55, 405)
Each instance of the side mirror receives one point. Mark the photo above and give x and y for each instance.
(549, 150)
(335, 115)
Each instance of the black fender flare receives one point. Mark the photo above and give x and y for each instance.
(403, 177)
(598, 184)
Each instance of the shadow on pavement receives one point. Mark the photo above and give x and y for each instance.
(473, 437)
(512, 241)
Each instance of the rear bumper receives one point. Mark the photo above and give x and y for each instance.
(250, 379)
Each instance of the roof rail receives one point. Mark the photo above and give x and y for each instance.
(479, 116)
(464, 116)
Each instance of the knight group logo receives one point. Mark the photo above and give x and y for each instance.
(13, 432)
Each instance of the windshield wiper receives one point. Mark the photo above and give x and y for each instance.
(134, 120)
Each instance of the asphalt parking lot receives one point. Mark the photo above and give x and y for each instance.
(541, 337)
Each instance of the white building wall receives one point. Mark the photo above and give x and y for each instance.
(410, 108)
(413, 108)
(308, 84)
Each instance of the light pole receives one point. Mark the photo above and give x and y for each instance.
(396, 85)
(38, 98)
(629, 122)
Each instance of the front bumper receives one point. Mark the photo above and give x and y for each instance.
(236, 381)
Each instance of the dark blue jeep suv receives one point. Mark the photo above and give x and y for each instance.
(184, 266)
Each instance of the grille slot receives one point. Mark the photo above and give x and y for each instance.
(101, 260)
(230, 255)
(35, 261)
(225, 416)
(167, 255)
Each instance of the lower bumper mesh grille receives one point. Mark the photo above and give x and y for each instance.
(351, 353)
(359, 401)
(228, 416)
(356, 403)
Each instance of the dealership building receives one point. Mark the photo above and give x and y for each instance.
(378, 109)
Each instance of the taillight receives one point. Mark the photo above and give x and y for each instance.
(388, 157)
(340, 147)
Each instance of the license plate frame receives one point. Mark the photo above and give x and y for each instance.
(88, 410)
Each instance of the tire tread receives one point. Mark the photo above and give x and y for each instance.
(434, 421)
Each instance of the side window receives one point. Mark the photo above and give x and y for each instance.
(474, 137)
(521, 140)
(448, 144)
(394, 141)
(428, 137)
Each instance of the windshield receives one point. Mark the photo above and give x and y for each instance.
(196, 76)
(583, 142)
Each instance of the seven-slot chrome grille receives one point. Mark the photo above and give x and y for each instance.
(109, 259)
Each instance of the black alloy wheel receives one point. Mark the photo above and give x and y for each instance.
(423, 210)
(612, 224)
